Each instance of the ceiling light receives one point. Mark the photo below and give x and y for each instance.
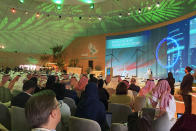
(37, 15)
(128, 13)
(13, 10)
(139, 11)
(21, 1)
(158, 4)
(149, 7)
(2, 46)
(58, 7)
(26, 12)
(58, 2)
(87, 1)
(92, 5)
(99, 18)
(120, 15)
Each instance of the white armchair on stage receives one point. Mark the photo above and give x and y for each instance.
(75, 70)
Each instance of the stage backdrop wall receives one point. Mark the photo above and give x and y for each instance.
(87, 49)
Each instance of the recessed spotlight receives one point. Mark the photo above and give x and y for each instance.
(99, 18)
(120, 15)
(26, 12)
(13, 10)
(37, 15)
(139, 11)
(158, 4)
(149, 7)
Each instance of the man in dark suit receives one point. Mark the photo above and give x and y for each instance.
(186, 88)
(21, 99)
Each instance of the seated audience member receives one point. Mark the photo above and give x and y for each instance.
(103, 94)
(90, 107)
(43, 111)
(73, 82)
(5, 81)
(162, 99)
(21, 99)
(134, 87)
(50, 84)
(65, 110)
(121, 96)
(37, 89)
(82, 83)
(150, 85)
(185, 123)
(171, 82)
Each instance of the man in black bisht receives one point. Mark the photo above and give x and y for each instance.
(186, 88)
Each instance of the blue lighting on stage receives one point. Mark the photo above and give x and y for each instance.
(172, 50)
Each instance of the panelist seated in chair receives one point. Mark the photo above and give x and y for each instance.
(43, 111)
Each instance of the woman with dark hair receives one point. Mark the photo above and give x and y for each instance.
(103, 94)
(171, 82)
(121, 96)
(90, 107)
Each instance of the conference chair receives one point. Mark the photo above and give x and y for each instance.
(119, 127)
(149, 111)
(71, 103)
(140, 102)
(4, 116)
(18, 119)
(119, 112)
(5, 95)
(81, 124)
(162, 123)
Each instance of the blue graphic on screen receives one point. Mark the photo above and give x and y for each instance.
(180, 32)
(124, 42)
(192, 43)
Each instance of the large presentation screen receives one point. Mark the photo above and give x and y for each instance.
(166, 49)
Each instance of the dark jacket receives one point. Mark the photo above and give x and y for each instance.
(103, 94)
(20, 100)
(186, 85)
(171, 82)
(133, 87)
(90, 107)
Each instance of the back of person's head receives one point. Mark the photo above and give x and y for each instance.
(189, 69)
(50, 82)
(121, 89)
(133, 80)
(100, 83)
(34, 79)
(170, 75)
(185, 123)
(28, 85)
(93, 79)
(39, 107)
(126, 83)
(59, 91)
(91, 90)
